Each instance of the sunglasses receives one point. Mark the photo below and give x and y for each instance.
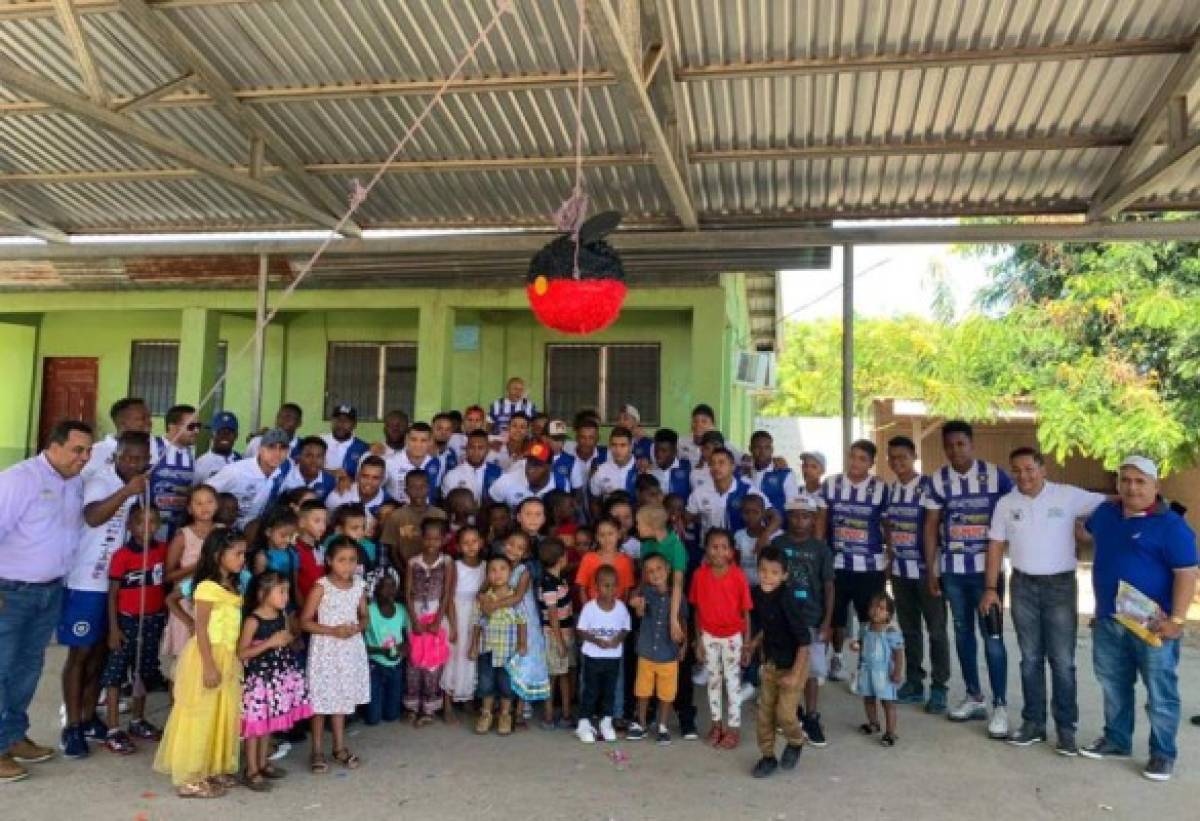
(194, 426)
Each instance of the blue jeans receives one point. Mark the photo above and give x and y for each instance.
(964, 592)
(28, 615)
(492, 681)
(387, 693)
(1119, 658)
(1044, 612)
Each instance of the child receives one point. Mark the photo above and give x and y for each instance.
(722, 601)
(880, 667)
(335, 615)
(429, 593)
(499, 523)
(781, 636)
(497, 636)
(554, 600)
(274, 694)
(607, 554)
(386, 625)
(273, 546)
(753, 537)
(136, 618)
(602, 626)
(563, 516)
(658, 651)
(530, 680)
(585, 540)
(621, 511)
(199, 748)
(810, 576)
(182, 554)
(658, 540)
(312, 519)
(227, 510)
(459, 676)
(350, 522)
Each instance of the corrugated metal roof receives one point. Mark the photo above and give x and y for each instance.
(789, 110)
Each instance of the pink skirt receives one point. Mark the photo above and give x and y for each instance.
(430, 651)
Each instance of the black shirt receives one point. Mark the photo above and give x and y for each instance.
(778, 616)
(809, 566)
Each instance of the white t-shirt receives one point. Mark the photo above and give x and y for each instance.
(465, 475)
(610, 477)
(89, 569)
(744, 541)
(1040, 530)
(210, 464)
(245, 480)
(604, 623)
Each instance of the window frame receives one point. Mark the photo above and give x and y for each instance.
(602, 388)
(216, 403)
(381, 376)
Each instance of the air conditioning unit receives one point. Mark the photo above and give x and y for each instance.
(755, 370)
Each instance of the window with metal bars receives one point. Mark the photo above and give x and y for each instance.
(154, 369)
(374, 377)
(604, 377)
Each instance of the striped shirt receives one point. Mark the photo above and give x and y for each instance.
(855, 522)
(905, 516)
(966, 501)
(503, 409)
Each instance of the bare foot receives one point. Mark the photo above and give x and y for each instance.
(449, 715)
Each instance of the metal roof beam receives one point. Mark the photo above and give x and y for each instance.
(15, 77)
(17, 218)
(72, 27)
(1119, 181)
(1146, 181)
(179, 50)
(155, 94)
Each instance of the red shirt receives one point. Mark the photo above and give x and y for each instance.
(721, 602)
(126, 568)
(310, 568)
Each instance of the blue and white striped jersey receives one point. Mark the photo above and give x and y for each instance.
(503, 409)
(855, 522)
(905, 516)
(966, 502)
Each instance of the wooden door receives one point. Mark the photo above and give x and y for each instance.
(69, 386)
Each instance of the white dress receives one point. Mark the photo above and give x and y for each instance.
(339, 678)
(458, 676)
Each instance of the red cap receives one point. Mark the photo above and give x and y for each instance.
(538, 452)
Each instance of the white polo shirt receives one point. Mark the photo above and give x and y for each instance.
(210, 464)
(610, 477)
(245, 480)
(465, 475)
(513, 488)
(1040, 530)
(399, 466)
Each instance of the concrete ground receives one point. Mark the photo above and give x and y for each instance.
(938, 770)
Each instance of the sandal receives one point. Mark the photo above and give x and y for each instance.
(256, 782)
(869, 728)
(888, 740)
(713, 739)
(346, 758)
(271, 771)
(730, 739)
(200, 789)
(224, 781)
(425, 720)
(317, 765)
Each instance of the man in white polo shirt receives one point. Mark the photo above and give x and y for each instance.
(255, 481)
(1036, 521)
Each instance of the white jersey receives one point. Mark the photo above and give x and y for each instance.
(700, 477)
(104, 454)
(400, 465)
(245, 480)
(611, 477)
(468, 476)
(89, 569)
(513, 488)
(458, 444)
(210, 464)
(335, 451)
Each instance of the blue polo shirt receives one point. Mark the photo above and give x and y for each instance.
(1143, 550)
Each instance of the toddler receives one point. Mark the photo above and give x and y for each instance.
(880, 648)
(602, 626)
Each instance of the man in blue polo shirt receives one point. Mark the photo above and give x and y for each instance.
(776, 481)
(1142, 542)
(958, 515)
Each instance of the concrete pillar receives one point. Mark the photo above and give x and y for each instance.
(199, 334)
(710, 358)
(435, 327)
(18, 363)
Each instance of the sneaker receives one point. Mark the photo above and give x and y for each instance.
(118, 742)
(911, 692)
(791, 755)
(636, 732)
(74, 743)
(504, 724)
(95, 730)
(10, 770)
(663, 736)
(812, 728)
(585, 732)
(565, 723)
(144, 730)
(700, 676)
(936, 705)
(746, 693)
(766, 766)
(969, 709)
(1066, 744)
(687, 731)
(1103, 748)
(837, 672)
(1028, 735)
(281, 751)
(607, 732)
(1159, 768)
(26, 752)
(998, 726)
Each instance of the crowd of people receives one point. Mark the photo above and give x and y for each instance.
(503, 569)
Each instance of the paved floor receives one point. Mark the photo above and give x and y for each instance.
(938, 771)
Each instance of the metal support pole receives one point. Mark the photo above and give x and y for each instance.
(260, 347)
(847, 347)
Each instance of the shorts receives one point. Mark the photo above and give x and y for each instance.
(818, 660)
(559, 664)
(657, 678)
(84, 620)
(121, 661)
(856, 588)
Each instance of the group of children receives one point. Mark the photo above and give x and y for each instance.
(599, 611)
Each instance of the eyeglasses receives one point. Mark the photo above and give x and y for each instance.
(194, 426)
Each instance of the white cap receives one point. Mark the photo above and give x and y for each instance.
(801, 503)
(632, 411)
(1143, 464)
(815, 455)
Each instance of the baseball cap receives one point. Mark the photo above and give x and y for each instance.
(556, 428)
(345, 410)
(224, 421)
(632, 411)
(800, 503)
(538, 452)
(1143, 464)
(815, 455)
(276, 436)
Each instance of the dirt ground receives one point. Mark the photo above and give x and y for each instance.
(938, 770)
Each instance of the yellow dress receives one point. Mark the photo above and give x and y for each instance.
(201, 736)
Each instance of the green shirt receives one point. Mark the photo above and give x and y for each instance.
(385, 632)
(670, 549)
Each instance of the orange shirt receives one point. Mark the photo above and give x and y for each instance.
(585, 577)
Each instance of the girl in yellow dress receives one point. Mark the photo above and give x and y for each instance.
(199, 748)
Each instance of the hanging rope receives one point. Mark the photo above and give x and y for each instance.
(570, 215)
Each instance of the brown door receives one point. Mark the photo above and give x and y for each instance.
(69, 385)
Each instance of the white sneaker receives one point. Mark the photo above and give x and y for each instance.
(606, 730)
(700, 676)
(970, 709)
(836, 671)
(746, 693)
(281, 751)
(585, 732)
(998, 726)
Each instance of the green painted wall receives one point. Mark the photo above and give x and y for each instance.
(18, 356)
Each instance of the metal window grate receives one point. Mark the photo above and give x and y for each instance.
(603, 377)
(154, 371)
(374, 377)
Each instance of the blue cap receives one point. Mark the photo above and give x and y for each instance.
(345, 410)
(224, 421)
